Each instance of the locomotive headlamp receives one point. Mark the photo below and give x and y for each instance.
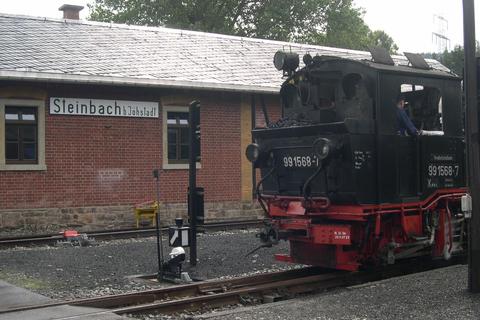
(286, 61)
(253, 152)
(322, 147)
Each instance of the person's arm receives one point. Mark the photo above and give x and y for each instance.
(408, 123)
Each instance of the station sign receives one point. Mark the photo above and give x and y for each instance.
(107, 108)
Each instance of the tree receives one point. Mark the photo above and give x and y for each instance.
(379, 38)
(344, 27)
(283, 20)
(325, 22)
(212, 16)
(454, 60)
(277, 20)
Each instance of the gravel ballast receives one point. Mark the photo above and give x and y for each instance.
(79, 272)
(433, 295)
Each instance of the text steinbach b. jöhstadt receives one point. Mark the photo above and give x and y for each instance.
(98, 107)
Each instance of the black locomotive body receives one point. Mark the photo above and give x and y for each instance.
(342, 184)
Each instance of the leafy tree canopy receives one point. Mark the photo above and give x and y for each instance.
(454, 60)
(324, 22)
(379, 38)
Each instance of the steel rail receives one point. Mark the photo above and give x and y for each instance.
(118, 234)
(216, 293)
(282, 288)
(301, 285)
(207, 287)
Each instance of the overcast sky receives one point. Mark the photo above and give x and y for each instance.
(409, 22)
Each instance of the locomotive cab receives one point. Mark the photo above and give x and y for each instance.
(340, 181)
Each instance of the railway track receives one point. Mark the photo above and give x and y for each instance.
(50, 239)
(209, 294)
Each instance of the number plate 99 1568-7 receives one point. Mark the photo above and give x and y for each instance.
(305, 161)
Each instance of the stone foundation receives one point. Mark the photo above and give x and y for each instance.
(50, 220)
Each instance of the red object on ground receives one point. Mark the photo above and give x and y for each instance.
(70, 233)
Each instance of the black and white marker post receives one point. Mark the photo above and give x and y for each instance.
(156, 175)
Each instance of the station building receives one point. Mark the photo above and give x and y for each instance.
(88, 110)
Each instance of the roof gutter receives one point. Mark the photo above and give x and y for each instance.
(132, 82)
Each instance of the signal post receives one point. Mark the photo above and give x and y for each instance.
(472, 142)
(195, 195)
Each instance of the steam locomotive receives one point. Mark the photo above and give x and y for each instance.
(341, 184)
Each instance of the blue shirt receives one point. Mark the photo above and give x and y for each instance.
(405, 125)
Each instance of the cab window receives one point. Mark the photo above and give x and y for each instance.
(423, 105)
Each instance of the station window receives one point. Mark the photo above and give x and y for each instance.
(177, 123)
(22, 135)
(175, 128)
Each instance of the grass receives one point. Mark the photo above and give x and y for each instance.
(22, 280)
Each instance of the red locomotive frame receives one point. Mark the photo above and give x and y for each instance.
(346, 237)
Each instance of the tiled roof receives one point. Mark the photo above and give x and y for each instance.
(91, 52)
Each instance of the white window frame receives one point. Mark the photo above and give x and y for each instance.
(166, 165)
(40, 105)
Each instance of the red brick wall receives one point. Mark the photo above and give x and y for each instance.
(90, 161)
(274, 111)
(220, 145)
(96, 161)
